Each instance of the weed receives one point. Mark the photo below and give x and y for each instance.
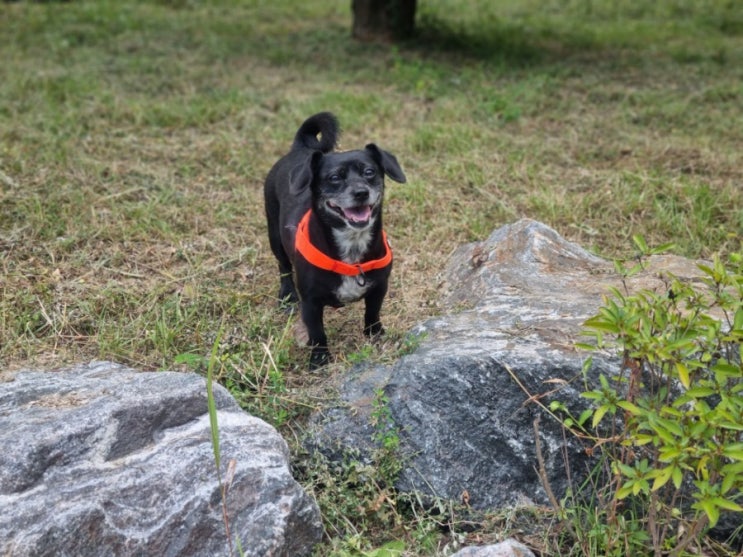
(357, 495)
(411, 342)
(387, 439)
(361, 355)
(224, 486)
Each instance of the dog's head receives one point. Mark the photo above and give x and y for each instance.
(347, 188)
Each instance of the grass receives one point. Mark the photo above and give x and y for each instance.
(134, 138)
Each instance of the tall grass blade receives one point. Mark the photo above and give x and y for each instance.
(212, 405)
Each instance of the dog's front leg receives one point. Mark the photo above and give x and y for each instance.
(372, 323)
(312, 316)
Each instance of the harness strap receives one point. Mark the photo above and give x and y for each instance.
(313, 255)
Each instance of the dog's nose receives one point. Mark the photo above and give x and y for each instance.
(361, 195)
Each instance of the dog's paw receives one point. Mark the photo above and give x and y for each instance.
(288, 298)
(320, 357)
(374, 331)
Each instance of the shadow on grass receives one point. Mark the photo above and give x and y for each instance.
(492, 44)
(493, 41)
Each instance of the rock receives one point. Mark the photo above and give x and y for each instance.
(506, 548)
(464, 401)
(103, 460)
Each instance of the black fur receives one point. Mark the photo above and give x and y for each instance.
(345, 191)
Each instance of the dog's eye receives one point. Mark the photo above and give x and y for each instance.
(369, 172)
(334, 178)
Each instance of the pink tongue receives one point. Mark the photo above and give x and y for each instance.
(358, 214)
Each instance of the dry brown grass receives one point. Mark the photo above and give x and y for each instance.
(136, 137)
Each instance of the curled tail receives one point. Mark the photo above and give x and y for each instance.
(326, 125)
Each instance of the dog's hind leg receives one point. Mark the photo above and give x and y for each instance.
(374, 298)
(287, 292)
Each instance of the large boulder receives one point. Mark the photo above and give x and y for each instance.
(103, 460)
(465, 400)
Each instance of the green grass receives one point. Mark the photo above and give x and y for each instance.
(134, 138)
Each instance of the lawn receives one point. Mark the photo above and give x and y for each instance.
(135, 136)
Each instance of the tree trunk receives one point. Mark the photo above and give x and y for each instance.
(385, 20)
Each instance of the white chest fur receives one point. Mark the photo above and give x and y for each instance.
(353, 243)
(350, 290)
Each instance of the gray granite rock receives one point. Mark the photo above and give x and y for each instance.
(506, 548)
(102, 460)
(464, 400)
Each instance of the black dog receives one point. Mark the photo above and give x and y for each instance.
(324, 212)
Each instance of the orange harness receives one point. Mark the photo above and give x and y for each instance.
(313, 255)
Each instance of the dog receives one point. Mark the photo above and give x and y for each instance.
(324, 215)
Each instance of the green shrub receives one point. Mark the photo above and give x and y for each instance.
(670, 424)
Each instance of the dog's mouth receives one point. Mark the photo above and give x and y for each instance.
(356, 216)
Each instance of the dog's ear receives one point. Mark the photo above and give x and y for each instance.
(302, 175)
(388, 162)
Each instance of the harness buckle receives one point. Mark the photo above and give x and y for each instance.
(361, 277)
